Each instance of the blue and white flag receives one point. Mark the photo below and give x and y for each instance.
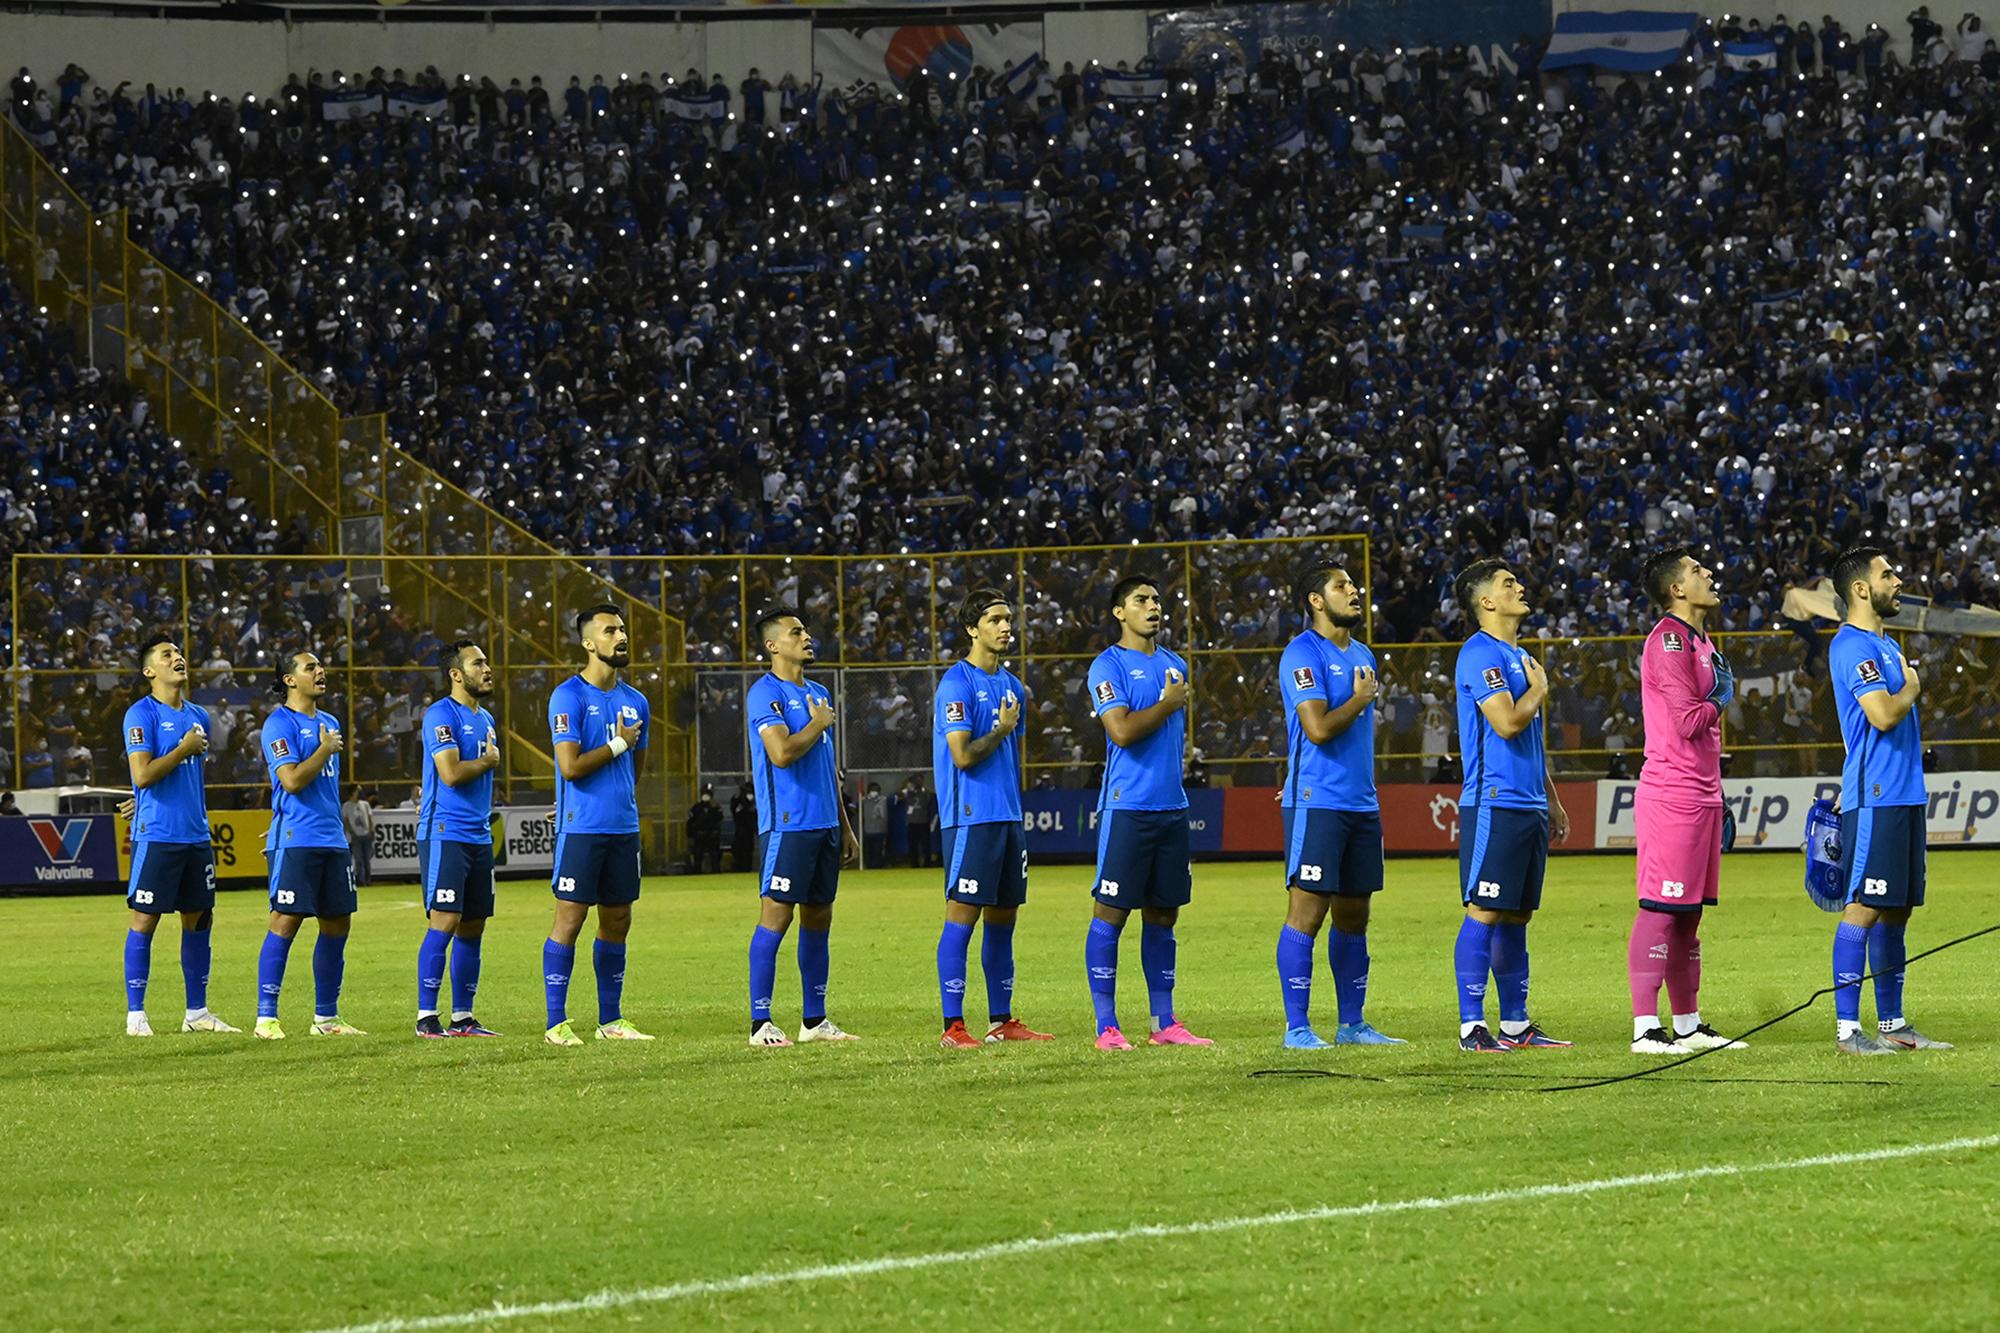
(1020, 80)
(1631, 41)
(1121, 87)
(1755, 54)
(349, 106)
(709, 104)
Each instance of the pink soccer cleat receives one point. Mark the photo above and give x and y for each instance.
(1173, 1034)
(1111, 1039)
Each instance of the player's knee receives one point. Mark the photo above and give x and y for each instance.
(284, 925)
(614, 924)
(1350, 915)
(335, 926)
(1159, 916)
(445, 920)
(999, 916)
(468, 928)
(816, 916)
(197, 921)
(145, 922)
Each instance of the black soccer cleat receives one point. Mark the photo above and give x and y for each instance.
(428, 1026)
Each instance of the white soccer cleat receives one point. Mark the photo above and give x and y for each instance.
(333, 1027)
(206, 1022)
(825, 1030)
(1706, 1038)
(768, 1033)
(136, 1024)
(1657, 1041)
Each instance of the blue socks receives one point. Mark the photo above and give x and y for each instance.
(194, 968)
(138, 969)
(1347, 955)
(558, 960)
(608, 960)
(1100, 960)
(763, 972)
(1156, 956)
(1295, 975)
(329, 966)
(1850, 960)
(954, 943)
(464, 976)
(271, 973)
(430, 969)
(1472, 959)
(814, 964)
(996, 959)
(1886, 952)
(1510, 972)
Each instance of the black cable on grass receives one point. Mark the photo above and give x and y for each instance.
(1795, 1010)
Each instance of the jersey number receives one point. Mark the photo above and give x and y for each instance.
(1311, 874)
(1875, 888)
(1487, 889)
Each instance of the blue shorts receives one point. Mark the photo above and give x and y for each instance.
(1142, 859)
(1333, 851)
(1884, 855)
(171, 877)
(986, 864)
(312, 881)
(599, 869)
(1502, 854)
(799, 865)
(458, 876)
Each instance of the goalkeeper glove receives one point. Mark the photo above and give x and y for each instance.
(1724, 688)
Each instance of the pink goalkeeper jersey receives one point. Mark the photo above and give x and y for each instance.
(1683, 729)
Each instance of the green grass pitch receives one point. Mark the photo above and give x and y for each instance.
(219, 1183)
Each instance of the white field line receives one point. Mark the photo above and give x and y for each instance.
(782, 1277)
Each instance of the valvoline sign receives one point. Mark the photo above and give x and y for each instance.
(1064, 823)
(59, 851)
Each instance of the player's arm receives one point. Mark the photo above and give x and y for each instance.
(454, 770)
(968, 752)
(1509, 716)
(1886, 711)
(850, 843)
(296, 777)
(147, 769)
(1127, 728)
(784, 747)
(1321, 723)
(1558, 817)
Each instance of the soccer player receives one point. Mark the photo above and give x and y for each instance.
(1508, 809)
(598, 726)
(976, 758)
(1333, 821)
(1684, 684)
(311, 870)
(1139, 692)
(455, 840)
(1882, 805)
(803, 835)
(173, 864)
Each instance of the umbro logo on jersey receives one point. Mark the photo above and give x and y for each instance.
(1672, 642)
(1303, 678)
(1870, 673)
(954, 711)
(1138, 674)
(1494, 678)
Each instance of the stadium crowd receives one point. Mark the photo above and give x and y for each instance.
(1458, 308)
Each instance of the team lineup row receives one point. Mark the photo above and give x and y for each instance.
(1139, 689)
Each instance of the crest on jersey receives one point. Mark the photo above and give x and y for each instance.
(954, 710)
(1494, 678)
(281, 748)
(628, 715)
(136, 736)
(561, 727)
(443, 733)
(1870, 673)
(1303, 678)
(1173, 676)
(1672, 642)
(1105, 694)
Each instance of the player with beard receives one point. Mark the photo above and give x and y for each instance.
(455, 840)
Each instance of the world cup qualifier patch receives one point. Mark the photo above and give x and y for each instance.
(442, 731)
(561, 728)
(1105, 694)
(1673, 642)
(1303, 678)
(1494, 678)
(1870, 673)
(281, 748)
(954, 711)
(136, 736)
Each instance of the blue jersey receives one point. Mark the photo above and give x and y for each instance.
(463, 813)
(174, 809)
(311, 818)
(805, 795)
(581, 714)
(1339, 775)
(1882, 767)
(1148, 775)
(968, 700)
(1511, 774)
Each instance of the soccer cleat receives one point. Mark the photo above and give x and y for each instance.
(206, 1022)
(1361, 1034)
(1860, 1043)
(1111, 1039)
(1305, 1039)
(1174, 1034)
(1533, 1036)
(333, 1027)
(1706, 1038)
(562, 1034)
(956, 1038)
(136, 1024)
(619, 1030)
(1013, 1029)
(769, 1034)
(268, 1029)
(825, 1030)
(1480, 1040)
(429, 1026)
(470, 1027)
(1658, 1041)
(1909, 1039)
